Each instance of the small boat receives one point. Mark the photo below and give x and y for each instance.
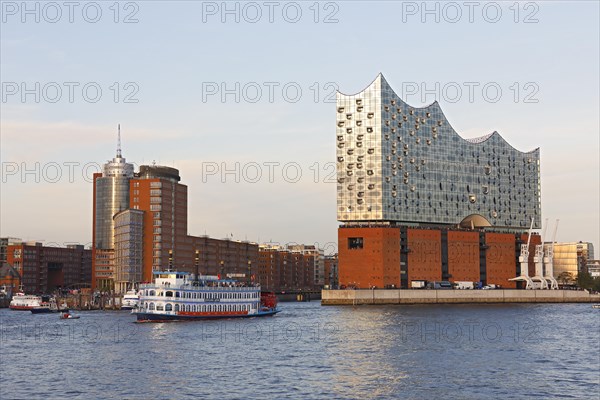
(596, 306)
(68, 316)
(179, 296)
(24, 302)
(130, 300)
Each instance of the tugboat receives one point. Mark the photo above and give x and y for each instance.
(178, 296)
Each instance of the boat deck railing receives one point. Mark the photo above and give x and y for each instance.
(199, 287)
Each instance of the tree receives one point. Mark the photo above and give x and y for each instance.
(565, 278)
(596, 285)
(585, 280)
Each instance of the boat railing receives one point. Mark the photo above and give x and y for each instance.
(200, 299)
(198, 287)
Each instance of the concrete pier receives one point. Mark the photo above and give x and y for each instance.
(424, 296)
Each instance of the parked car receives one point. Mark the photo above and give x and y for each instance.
(464, 285)
(491, 286)
(440, 285)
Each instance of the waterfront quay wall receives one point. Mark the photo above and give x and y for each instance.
(427, 296)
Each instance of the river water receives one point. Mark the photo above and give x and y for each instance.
(309, 352)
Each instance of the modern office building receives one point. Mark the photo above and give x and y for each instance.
(571, 257)
(156, 191)
(44, 269)
(419, 202)
(110, 196)
(129, 241)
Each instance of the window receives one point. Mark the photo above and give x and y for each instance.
(355, 243)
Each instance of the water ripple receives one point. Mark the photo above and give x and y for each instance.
(309, 352)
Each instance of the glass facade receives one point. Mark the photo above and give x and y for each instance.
(112, 196)
(129, 232)
(571, 257)
(398, 163)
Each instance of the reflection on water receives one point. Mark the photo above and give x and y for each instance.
(309, 351)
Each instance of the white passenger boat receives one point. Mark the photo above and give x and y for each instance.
(130, 300)
(24, 302)
(177, 296)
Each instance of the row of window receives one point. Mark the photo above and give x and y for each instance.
(198, 307)
(203, 295)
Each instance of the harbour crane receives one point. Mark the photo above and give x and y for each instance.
(524, 261)
(538, 259)
(549, 261)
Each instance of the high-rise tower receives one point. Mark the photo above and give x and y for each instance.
(111, 195)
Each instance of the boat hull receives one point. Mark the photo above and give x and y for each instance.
(152, 317)
(46, 310)
(20, 308)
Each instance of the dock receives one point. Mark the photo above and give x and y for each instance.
(430, 296)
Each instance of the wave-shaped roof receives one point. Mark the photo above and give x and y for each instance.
(435, 107)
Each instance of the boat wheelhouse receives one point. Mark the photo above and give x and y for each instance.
(182, 296)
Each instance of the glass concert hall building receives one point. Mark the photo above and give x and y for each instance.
(419, 202)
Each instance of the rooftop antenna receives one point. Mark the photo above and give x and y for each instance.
(119, 142)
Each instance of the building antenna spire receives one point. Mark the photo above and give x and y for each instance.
(119, 142)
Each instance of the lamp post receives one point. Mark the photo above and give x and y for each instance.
(197, 264)
(222, 263)
(249, 272)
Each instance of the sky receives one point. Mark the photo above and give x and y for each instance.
(240, 97)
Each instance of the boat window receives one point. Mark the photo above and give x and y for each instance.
(176, 307)
(168, 293)
(169, 307)
(151, 307)
(177, 294)
(159, 307)
(152, 293)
